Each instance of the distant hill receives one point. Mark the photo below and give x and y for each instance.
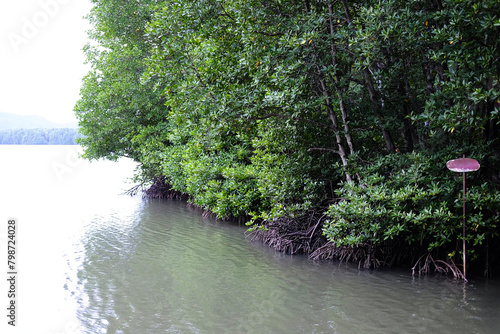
(64, 136)
(13, 121)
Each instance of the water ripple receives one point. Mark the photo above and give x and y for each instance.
(159, 267)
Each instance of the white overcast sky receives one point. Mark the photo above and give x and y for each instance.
(41, 57)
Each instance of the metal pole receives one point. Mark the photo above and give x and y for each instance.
(463, 227)
(463, 165)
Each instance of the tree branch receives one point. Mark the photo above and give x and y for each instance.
(226, 13)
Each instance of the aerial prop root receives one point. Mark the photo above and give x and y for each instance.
(430, 265)
(159, 189)
(293, 235)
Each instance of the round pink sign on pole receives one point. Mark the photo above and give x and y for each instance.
(463, 165)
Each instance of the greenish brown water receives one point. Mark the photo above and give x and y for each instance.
(96, 262)
(161, 268)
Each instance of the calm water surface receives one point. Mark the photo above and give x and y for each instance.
(93, 261)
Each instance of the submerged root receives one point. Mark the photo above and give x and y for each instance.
(303, 235)
(364, 255)
(162, 190)
(439, 266)
(300, 235)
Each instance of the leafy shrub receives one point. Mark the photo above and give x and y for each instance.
(412, 198)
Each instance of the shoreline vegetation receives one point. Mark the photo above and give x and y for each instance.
(303, 235)
(325, 126)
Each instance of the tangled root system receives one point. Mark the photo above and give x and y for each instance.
(294, 235)
(160, 189)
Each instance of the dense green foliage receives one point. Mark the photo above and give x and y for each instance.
(403, 200)
(64, 136)
(266, 109)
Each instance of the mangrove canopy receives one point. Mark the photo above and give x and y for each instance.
(325, 125)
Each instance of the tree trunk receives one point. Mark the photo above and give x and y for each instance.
(338, 90)
(389, 144)
(333, 119)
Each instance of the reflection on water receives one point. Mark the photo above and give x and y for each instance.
(159, 267)
(95, 262)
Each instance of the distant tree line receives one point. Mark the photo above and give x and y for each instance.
(64, 136)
